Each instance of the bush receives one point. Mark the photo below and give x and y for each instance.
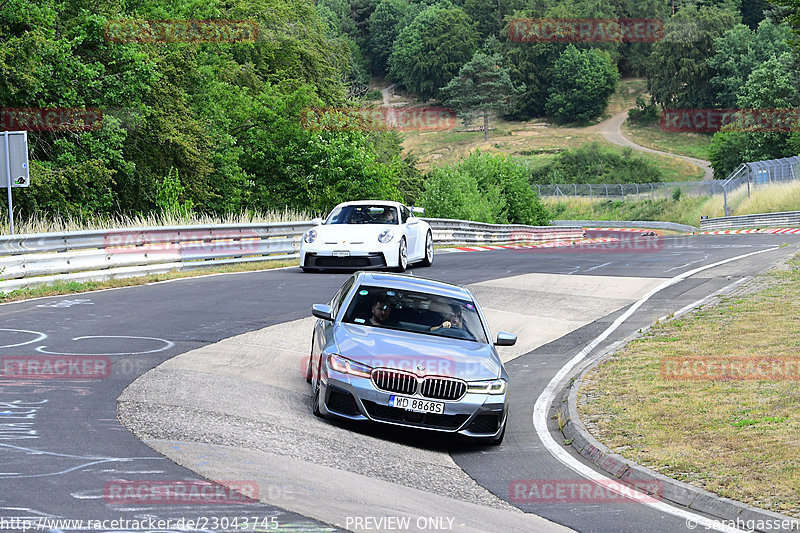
(582, 83)
(594, 163)
(643, 114)
(492, 187)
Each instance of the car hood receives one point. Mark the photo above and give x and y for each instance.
(419, 353)
(336, 233)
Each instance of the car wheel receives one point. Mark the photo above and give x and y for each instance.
(402, 256)
(428, 261)
(315, 407)
(308, 370)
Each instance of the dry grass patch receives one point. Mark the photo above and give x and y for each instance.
(738, 439)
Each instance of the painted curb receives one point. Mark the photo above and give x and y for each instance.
(643, 478)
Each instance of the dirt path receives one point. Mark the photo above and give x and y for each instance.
(611, 129)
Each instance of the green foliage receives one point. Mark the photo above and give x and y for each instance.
(493, 188)
(169, 194)
(431, 50)
(581, 84)
(676, 195)
(78, 191)
(482, 85)
(593, 163)
(678, 74)
(644, 113)
(384, 25)
(739, 52)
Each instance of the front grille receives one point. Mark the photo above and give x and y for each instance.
(393, 414)
(443, 388)
(484, 424)
(342, 402)
(352, 261)
(394, 381)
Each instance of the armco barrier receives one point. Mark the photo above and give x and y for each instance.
(646, 224)
(98, 255)
(766, 220)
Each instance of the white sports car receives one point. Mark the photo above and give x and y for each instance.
(367, 234)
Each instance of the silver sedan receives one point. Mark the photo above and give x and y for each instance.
(409, 351)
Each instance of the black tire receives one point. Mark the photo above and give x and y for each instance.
(315, 406)
(402, 256)
(309, 373)
(428, 260)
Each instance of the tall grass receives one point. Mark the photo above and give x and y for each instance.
(41, 224)
(685, 210)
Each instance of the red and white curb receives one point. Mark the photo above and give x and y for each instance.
(769, 231)
(554, 244)
(617, 229)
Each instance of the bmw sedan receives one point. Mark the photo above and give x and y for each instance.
(367, 234)
(408, 351)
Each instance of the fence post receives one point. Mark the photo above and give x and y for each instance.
(652, 193)
(622, 188)
(576, 189)
(725, 200)
(590, 191)
(666, 195)
(538, 190)
(606, 184)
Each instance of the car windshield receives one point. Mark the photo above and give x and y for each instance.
(416, 312)
(363, 214)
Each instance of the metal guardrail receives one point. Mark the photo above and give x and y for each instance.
(99, 255)
(646, 224)
(785, 219)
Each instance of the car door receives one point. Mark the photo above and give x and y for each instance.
(411, 229)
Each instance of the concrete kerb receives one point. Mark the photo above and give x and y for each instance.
(578, 437)
(639, 224)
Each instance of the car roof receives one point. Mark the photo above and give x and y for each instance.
(371, 202)
(413, 283)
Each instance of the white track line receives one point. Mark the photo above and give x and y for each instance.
(547, 397)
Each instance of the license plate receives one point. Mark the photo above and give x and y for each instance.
(416, 405)
(341, 254)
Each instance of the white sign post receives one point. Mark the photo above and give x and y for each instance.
(14, 166)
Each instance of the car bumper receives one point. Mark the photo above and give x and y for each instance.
(379, 256)
(355, 398)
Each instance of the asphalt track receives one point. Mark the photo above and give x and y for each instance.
(61, 442)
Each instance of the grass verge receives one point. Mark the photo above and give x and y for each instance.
(72, 287)
(736, 438)
(689, 144)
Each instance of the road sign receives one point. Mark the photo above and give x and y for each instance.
(17, 160)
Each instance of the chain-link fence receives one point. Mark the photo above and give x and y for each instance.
(631, 191)
(755, 174)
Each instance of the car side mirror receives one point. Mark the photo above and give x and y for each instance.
(322, 311)
(505, 339)
(316, 221)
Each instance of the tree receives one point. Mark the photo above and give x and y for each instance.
(431, 50)
(678, 74)
(384, 25)
(740, 51)
(481, 85)
(582, 82)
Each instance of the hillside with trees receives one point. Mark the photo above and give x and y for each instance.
(217, 127)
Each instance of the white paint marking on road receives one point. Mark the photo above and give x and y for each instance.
(547, 397)
(596, 267)
(690, 263)
(167, 345)
(41, 336)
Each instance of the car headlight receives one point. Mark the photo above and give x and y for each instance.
(346, 366)
(310, 236)
(496, 386)
(386, 236)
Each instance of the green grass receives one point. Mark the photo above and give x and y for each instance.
(737, 438)
(688, 144)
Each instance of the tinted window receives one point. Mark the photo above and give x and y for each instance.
(341, 295)
(363, 214)
(415, 312)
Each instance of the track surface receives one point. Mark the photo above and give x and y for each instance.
(60, 442)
